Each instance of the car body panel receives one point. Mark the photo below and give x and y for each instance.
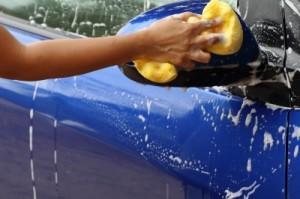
(182, 132)
(293, 155)
(101, 134)
(292, 15)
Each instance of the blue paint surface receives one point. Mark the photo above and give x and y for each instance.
(223, 144)
(293, 155)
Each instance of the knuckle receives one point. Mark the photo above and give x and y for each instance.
(200, 56)
(181, 59)
(188, 13)
(176, 61)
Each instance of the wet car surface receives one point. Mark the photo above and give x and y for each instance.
(104, 135)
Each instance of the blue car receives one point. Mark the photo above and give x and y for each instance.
(212, 133)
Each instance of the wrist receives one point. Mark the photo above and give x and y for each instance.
(140, 44)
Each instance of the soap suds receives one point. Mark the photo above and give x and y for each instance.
(146, 137)
(249, 117)
(175, 159)
(31, 116)
(169, 114)
(243, 192)
(148, 103)
(236, 118)
(249, 165)
(255, 127)
(296, 151)
(268, 141)
(281, 129)
(292, 6)
(296, 133)
(142, 118)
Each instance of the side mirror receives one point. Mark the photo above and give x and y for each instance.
(242, 68)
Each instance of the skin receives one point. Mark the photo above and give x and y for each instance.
(169, 40)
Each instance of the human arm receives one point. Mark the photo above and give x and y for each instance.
(171, 40)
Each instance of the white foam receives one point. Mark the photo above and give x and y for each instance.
(142, 118)
(55, 123)
(56, 177)
(55, 156)
(31, 114)
(272, 107)
(175, 159)
(255, 127)
(292, 6)
(31, 138)
(281, 129)
(169, 114)
(249, 117)
(268, 141)
(289, 50)
(35, 91)
(243, 192)
(203, 110)
(34, 192)
(296, 151)
(219, 89)
(149, 103)
(236, 118)
(222, 116)
(32, 170)
(205, 172)
(249, 165)
(296, 133)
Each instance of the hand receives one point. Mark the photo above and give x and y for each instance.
(175, 41)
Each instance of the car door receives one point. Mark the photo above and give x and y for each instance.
(228, 116)
(292, 14)
(36, 158)
(103, 135)
(214, 142)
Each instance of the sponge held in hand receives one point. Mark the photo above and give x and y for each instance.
(233, 38)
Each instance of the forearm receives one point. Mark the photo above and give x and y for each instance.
(61, 58)
(169, 40)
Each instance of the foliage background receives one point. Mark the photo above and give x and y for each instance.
(87, 17)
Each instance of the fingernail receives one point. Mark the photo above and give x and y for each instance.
(219, 36)
(208, 22)
(212, 22)
(218, 20)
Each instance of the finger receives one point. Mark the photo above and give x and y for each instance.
(185, 16)
(200, 56)
(188, 65)
(205, 41)
(205, 24)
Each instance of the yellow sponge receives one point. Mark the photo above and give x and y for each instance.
(156, 71)
(231, 27)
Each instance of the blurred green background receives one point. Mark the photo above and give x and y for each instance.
(87, 17)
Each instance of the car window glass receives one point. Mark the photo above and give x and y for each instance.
(87, 17)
